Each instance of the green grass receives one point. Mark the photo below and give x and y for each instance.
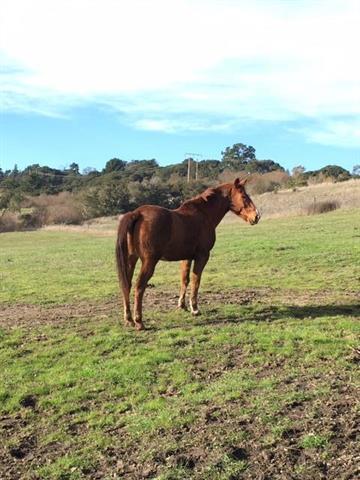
(177, 400)
(301, 253)
(314, 441)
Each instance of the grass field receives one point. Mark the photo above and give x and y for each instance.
(264, 385)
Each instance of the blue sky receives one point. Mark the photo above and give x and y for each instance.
(84, 81)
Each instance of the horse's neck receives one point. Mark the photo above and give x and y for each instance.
(213, 208)
(218, 208)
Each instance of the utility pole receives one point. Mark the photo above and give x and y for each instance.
(189, 168)
(193, 157)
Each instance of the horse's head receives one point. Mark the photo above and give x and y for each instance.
(241, 204)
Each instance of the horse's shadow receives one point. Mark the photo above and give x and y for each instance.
(269, 313)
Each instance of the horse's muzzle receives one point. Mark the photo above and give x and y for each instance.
(256, 219)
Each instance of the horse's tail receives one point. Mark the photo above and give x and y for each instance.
(126, 225)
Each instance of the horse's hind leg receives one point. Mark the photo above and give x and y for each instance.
(146, 272)
(199, 265)
(132, 259)
(185, 266)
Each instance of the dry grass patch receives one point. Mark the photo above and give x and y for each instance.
(9, 222)
(286, 203)
(57, 209)
(322, 207)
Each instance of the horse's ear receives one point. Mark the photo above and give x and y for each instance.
(240, 183)
(210, 192)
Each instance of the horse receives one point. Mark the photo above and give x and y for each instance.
(154, 233)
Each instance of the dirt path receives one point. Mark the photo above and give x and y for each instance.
(30, 316)
(16, 315)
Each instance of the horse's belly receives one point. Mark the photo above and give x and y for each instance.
(173, 255)
(186, 237)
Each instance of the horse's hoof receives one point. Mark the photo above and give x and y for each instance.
(129, 323)
(139, 326)
(196, 313)
(182, 307)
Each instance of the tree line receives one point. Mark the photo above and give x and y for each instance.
(121, 185)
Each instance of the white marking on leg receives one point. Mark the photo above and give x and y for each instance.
(194, 309)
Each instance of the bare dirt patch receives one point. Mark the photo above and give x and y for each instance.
(27, 315)
(290, 303)
(266, 456)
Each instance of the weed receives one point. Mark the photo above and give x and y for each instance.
(314, 441)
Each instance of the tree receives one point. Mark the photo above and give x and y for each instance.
(74, 168)
(10, 200)
(297, 171)
(356, 170)
(238, 155)
(15, 172)
(114, 165)
(210, 168)
(139, 170)
(263, 166)
(110, 198)
(334, 171)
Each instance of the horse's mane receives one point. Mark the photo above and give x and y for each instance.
(203, 197)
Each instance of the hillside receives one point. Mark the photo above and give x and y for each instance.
(295, 202)
(284, 203)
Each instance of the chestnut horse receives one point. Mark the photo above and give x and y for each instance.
(153, 233)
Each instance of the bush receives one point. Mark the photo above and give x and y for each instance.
(53, 209)
(65, 214)
(322, 207)
(35, 219)
(63, 208)
(106, 199)
(9, 222)
(268, 182)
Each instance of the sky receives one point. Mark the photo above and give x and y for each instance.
(88, 80)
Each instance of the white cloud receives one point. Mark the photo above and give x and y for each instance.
(185, 64)
(336, 133)
(173, 125)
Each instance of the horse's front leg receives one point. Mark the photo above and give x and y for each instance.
(185, 266)
(199, 265)
(146, 272)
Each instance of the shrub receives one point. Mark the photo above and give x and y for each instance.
(44, 200)
(35, 219)
(9, 222)
(228, 175)
(66, 214)
(268, 182)
(106, 199)
(51, 209)
(322, 207)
